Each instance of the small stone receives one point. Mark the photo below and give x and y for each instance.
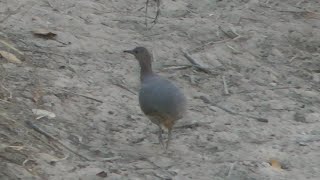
(265, 164)
(302, 144)
(263, 120)
(247, 163)
(102, 174)
(205, 99)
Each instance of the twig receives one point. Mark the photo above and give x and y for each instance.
(293, 58)
(2, 100)
(10, 47)
(225, 86)
(231, 169)
(215, 42)
(37, 129)
(111, 158)
(233, 49)
(243, 115)
(298, 3)
(293, 11)
(275, 88)
(32, 126)
(305, 13)
(123, 87)
(177, 66)
(25, 162)
(194, 62)
(53, 8)
(208, 43)
(82, 95)
(10, 13)
(191, 126)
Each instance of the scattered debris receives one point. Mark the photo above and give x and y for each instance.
(241, 114)
(44, 33)
(194, 62)
(43, 113)
(50, 158)
(122, 86)
(102, 174)
(231, 169)
(6, 44)
(177, 67)
(110, 159)
(10, 57)
(230, 33)
(37, 129)
(275, 164)
(82, 95)
(191, 126)
(17, 148)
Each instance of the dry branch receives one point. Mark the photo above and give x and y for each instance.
(241, 114)
(123, 87)
(37, 129)
(82, 95)
(194, 62)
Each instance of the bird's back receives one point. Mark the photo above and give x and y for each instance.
(159, 96)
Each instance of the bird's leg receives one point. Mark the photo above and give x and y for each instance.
(160, 136)
(169, 138)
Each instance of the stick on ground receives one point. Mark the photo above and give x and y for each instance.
(82, 95)
(36, 128)
(194, 62)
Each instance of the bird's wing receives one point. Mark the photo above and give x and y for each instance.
(160, 97)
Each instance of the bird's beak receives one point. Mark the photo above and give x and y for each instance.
(128, 51)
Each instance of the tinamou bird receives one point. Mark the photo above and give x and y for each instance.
(160, 100)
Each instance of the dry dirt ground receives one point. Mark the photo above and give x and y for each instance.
(254, 116)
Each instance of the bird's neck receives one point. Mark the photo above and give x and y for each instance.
(146, 69)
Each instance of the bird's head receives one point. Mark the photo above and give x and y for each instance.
(141, 54)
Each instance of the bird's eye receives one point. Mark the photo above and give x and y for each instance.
(135, 51)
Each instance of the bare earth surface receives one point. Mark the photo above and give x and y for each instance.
(263, 123)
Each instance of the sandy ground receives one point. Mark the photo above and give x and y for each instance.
(263, 123)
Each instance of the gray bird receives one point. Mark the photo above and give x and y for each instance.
(159, 98)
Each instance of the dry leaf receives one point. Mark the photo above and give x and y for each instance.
(44, 33)
(275, 164)
(10, 57)
(43, 113)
